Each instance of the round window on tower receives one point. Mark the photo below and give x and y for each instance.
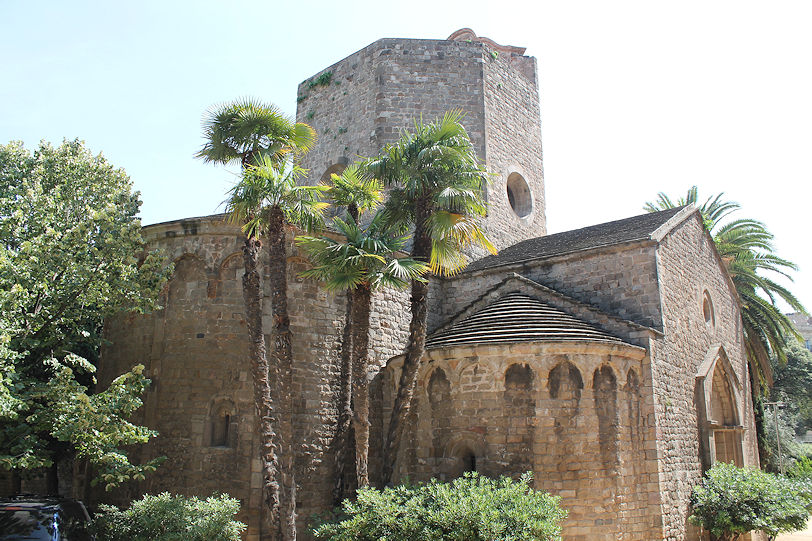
(519, 196)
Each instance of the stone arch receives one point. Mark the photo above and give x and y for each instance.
(518, 377)
(717, 399)
(439, 395)
(337, 168)
(723, 406)
(565, 381)
(633, 456)
(221, 430)
(464, 454)
(231, 262)
(708, 313)
(604, 387)
(225, 274)
(189, 269)
(519, 407)
(426, 371)
(565, 384)
(724, 419)
(632, 389)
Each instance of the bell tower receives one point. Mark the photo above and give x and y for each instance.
(361, 103)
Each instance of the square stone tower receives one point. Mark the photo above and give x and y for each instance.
(361, 103)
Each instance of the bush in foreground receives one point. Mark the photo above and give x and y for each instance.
(732, 501)
(471, 508)
(170, 518)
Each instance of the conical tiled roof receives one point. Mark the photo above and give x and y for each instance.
(517, 318)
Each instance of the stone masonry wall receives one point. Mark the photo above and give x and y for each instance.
(621, 280)
(575, 414)
(511, 108)
(195, 351)
(688, 266)
(382, 89)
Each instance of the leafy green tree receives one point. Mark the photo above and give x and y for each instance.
(470, 508)
(169, 518)
(69, 256)
(732, 501)
(362, 261)
(792, 382)
(792, 385)
(435, 182)
(265, 143)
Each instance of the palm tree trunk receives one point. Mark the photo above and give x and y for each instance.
(282, 358)
(360, 383)
(342, 440)
(252, 296)
(421, 251)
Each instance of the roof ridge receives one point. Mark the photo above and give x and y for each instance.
(603, 235)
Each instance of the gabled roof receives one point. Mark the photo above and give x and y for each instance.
(636, 228)
(516, 317)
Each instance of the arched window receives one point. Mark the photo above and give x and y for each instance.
(468, 461)
(718, 415)
(219, 430)
(222, 424)
(707, 310)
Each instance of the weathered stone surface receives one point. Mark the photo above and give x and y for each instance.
(382, 89)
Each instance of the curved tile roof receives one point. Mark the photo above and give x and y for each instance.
(517, 318)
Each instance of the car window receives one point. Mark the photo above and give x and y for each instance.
(18, 524)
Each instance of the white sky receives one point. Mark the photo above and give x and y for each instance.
(637, 97)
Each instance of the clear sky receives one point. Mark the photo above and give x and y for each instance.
(637, 97)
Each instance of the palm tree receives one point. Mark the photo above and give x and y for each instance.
(251, 132)
(746, 247)
(247, 129)
(360, 263)
(435, 181)
(357, 192)
(264, 201)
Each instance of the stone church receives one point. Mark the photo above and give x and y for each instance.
(607, 360)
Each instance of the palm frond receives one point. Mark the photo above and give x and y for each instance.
(247, 128)
(746, 246)
(357, 187)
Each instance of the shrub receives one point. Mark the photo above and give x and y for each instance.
(731, 501)
(470, 508)
(802, 469)
(170, 518)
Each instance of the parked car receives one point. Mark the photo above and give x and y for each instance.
(43, 519)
